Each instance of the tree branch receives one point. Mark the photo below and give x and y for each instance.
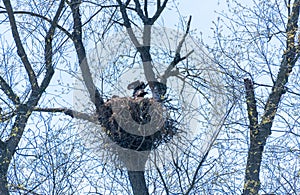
(139, 11)
(24, 111)
(128, 25)
(158, 12)
(168, 72)
(20, 49)
(48, 48)
(94, 93)
(98, 11)
(179, 47)
(69, 112)
(287, 63)
(251, 105)
(146, 8)
(200, 164)
(44, 18)
(9, 92)
(143, 49)
(162, 179)
(259, 135)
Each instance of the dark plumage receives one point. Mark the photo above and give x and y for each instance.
(141, 93)
(158, 90)
(138, 88)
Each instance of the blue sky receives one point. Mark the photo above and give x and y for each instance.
(202, 12)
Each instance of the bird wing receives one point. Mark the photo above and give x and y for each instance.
(133, 85)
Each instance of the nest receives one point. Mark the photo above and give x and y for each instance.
(140, 124)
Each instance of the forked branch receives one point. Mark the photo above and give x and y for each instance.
(177, 58)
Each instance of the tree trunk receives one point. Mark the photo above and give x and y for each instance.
(3, 184)
(138, 182)
(255, 153)
(4, 160)
(260, 131)
(135, 162)
(257, 143)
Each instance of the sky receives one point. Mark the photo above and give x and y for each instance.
(202, 12)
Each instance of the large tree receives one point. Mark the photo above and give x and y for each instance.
(257, 46)
(42, 147)
(41, 151)
(18, 108)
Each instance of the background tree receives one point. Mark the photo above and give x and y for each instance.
(258, 47)
(43, 152)
(18, 108)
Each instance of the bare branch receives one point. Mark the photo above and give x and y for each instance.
(128, 25)
(146, 8)
(24, 110)
(9, 92)
(177, 57)
(143, 49)
(44, 18)
(184, 36)
(48, 48)
(158, 3)
(110, 23)
(158, 11)
(20, 49)
(163, 180)
(251, 105)
(260, 135)
(139, 11)
(69, 112)
(94, 93)
(288, 62)
(97, 12)
(212, 141)
(124, 14)
(200, 164)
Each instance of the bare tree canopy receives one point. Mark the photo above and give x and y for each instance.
(98, 97)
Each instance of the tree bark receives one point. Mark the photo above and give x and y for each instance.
(138, 182)
(3, 185)
(23, 110)
(259, 132)
(3, 172)
(252, 183)
(94, 93)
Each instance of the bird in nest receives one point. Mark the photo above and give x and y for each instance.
(138, 88)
